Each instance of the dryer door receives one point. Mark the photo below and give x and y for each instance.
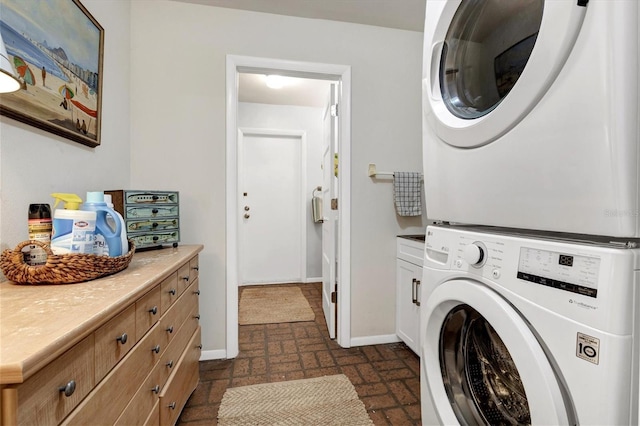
(487, 63)
(483, 364)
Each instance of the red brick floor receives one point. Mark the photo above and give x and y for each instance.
(386, 377)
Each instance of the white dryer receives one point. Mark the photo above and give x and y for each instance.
(530, 114)
(519, 330)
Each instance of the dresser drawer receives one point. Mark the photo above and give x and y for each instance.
(184, 278)
(114, 340)
(168, 292)
(156, 224)
(145, 400)
(181, 383)
(149, 211)
(154, 416)
(151, 197)
(154, 238)
(147, 311)
(42, 399)
(174, 318)
(177, 345)
(107, 401)
(194, 268)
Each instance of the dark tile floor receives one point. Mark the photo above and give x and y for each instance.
(386, 377)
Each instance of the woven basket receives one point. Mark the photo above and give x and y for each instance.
(60, 268)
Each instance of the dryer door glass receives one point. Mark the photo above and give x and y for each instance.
(485, 50)
(480, 376)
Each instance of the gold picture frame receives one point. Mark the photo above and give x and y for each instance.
(56, 48)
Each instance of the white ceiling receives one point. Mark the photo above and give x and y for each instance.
(397, 14)
(297, 91)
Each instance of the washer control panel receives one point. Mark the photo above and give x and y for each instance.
(570, 272)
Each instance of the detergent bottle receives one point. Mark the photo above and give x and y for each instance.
(107, 241)
(73, 230)
(111, 221)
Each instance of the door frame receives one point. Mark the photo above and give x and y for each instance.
(234, 65)
(299, 134)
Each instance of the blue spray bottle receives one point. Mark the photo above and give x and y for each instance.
(106, 238)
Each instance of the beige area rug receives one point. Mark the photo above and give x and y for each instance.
(267, 305)
(328, 400)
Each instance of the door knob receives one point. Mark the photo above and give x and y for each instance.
(246, 208)
(246, 215)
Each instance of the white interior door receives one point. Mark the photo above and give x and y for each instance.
(271, 179)
(329, 215)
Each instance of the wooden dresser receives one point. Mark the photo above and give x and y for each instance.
(122, 349)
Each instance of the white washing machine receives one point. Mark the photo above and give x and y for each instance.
(519, 330)
(530, 114)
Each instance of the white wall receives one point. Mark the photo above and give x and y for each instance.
(178, 108)
(308, 119)
(34, 163)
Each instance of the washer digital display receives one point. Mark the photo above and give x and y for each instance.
(573, 273)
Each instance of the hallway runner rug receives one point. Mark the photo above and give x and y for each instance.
(268, 305)
(328, 400)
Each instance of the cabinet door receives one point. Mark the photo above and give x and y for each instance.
(408, 277)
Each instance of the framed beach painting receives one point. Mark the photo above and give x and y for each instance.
(56, 48)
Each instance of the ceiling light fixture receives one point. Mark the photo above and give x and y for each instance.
(8, 80)
(275, 81)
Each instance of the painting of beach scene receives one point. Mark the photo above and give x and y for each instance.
(56, 48)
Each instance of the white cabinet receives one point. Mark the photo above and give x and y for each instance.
(410, 252)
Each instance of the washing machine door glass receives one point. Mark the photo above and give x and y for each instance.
(487, 63)
(483, 363)
(488, 389)
(486, 49)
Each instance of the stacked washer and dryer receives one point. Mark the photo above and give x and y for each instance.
(531, 290)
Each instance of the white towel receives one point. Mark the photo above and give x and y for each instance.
(407, 193)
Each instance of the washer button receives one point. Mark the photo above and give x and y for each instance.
(496, 273)
(458, 263)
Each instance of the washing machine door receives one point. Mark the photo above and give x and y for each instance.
(487, 63)
(483, 364)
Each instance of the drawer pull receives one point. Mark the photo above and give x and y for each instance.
(154, 225)
(122, 339)
(197, 317)
(186, 278)
(172, 405)
(170, 329)
(156, 389)
(172, 292)
(197, 292)
(170, 364)
(196, 268)
(199, 346)
(154, 211)
(153, 310)
(69, 389)
(156, 349)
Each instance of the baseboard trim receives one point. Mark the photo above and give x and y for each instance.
(375, 340)
(211, 355)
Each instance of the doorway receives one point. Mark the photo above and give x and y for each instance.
(340, 73)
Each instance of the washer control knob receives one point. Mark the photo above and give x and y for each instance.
(474, 254)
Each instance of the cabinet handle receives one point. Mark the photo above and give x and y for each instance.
(413, 291)
(170, 364)
(122, 339)
(156, 349)
(197, 317)
(156, 389)
(153, 310)
(68, 389)
(172, 292)
(417, 285)
(196, 268)
(170, 329)
(186, 278)
(197, 292)
(172, 405)
(199, 346)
